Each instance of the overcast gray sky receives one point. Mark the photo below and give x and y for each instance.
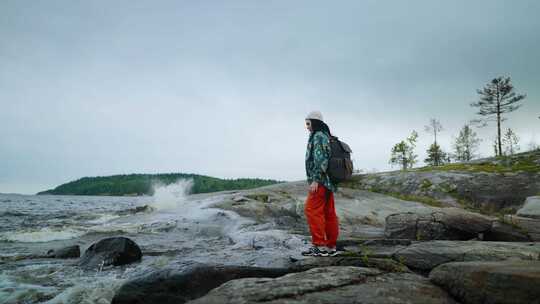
(221, 88)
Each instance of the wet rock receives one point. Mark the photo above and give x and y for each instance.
(111, 251)
(177, 285)
(425, 256)
(437, 224)
(505, 282)
(65, 252)
(531, 208)
(329, 285)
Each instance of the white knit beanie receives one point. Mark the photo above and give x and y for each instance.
(315, 115)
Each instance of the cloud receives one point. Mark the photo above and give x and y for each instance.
(222, 89)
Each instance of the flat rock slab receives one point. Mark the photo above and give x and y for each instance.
(388, 265)
(428, 255)
(331, 285)
(375, 248)
(437, 224)
(504, 282)
(531, 208)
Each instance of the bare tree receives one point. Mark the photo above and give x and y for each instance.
(496, 99)
(496, 147)
(434, 127)
(533, 146)
(466, 144)
(511, 142)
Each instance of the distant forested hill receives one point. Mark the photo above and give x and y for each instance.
(143, 184)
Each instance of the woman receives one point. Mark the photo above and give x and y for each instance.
(319, 208)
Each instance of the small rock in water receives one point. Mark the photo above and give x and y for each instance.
(111, 251)
(65, 253)
(144, 208)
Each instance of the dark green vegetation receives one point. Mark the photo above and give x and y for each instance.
(143, 184)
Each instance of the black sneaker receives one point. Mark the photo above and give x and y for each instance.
(314, 251)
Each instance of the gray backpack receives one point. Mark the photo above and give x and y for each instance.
(340, 166)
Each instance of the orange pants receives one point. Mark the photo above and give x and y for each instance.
(321, 217)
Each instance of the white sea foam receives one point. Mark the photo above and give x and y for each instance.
(99, 291)
(46, 234)
(12, 291)
(171, 196)
(104, 218)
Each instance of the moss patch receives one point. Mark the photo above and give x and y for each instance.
(505, 164)
(425, 184)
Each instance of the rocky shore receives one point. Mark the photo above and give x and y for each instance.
(392, 250)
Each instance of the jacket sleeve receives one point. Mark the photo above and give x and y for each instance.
(321, 156)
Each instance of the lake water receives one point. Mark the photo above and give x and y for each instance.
(175, 229)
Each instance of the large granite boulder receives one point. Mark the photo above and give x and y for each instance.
(490, 184)
(111, 251)
(330, 285)
(531, 208)
(178, 285)
(505, 232)
(425, 256)
(437, 224)
(361, 213)
(504, 282)
(527, 225)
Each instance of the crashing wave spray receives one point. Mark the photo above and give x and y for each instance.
(170, 196)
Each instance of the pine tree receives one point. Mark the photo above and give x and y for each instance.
(403, 152)
(436, 156)
(496, 99)
(466, 144)
(511, 142)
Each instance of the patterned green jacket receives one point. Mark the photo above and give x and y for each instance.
(317, 157)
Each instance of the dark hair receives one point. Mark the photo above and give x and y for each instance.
(318, 125)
